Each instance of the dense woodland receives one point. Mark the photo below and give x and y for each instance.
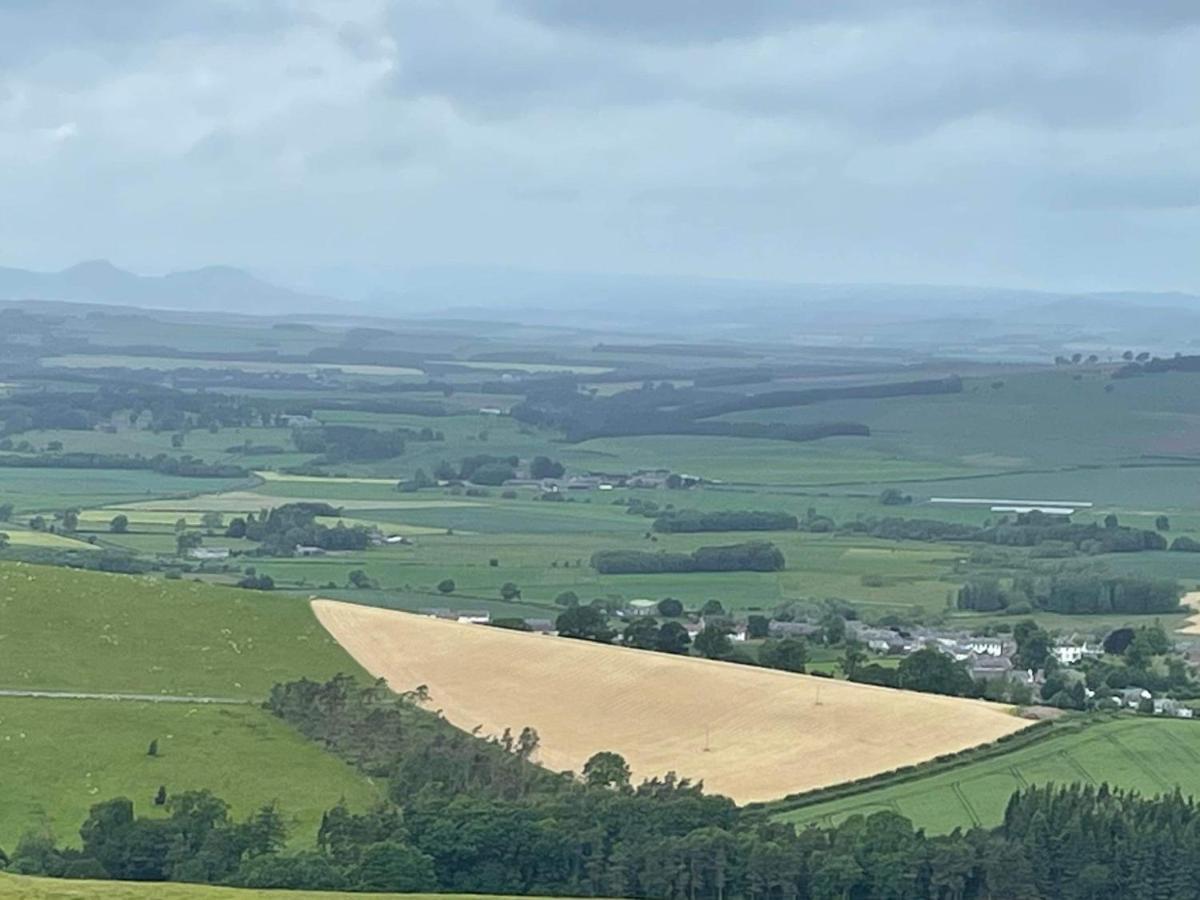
(752, 556)
(1073, 594)
(281, 529)
(466, 814)
(692, 521)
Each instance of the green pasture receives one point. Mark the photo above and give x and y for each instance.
(1044, 419)
(15, 887)
(62, 629)
(818, 566)
(37, 490)
(1152, 756)
(61, 756)
(20, 537)
(832, 461)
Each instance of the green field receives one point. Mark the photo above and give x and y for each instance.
(13, 887)
(62, 629)
(1148, 755)
(96, 361)
(37, 490)
(60, 756)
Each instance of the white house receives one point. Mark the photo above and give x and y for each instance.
(1069, 654)
(209, 553)
(986, 646)
(474, 616)
(641, 607)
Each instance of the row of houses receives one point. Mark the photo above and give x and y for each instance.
(482, 617)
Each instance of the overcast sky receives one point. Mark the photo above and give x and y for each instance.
(1035, 143)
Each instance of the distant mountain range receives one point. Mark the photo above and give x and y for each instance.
(947, 317)
(213, 288)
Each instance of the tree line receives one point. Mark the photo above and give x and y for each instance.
(1028, 530)
(354, 443)
(752, 556)
(281, 529)
(1073, 594)
(185, 466)
(690, 521)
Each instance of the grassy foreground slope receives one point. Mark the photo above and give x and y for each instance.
(13, 887)
(1152, 756)
(749, 733)
(62, 629)
(62, 756)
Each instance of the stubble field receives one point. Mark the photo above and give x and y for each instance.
(749, 733)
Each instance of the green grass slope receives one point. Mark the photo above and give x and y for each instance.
(1149, 755)
(62, 629)
(61, 756)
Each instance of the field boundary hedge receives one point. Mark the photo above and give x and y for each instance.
(1038, 732)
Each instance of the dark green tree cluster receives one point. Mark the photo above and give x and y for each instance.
(1029, 530)
(647, 634)
(690, 521)
(282, 529)
(753, 556)
(483, 469)
(350, 443)
(1074, 594)
(183, 466)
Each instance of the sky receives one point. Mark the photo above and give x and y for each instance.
(1019, 143)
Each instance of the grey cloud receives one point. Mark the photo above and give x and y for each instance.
(1050, 144)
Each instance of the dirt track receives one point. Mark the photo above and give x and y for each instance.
(752, 734)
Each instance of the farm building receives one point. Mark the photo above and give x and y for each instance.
(209, 553)
(792, 629)
(986, 667)
(639, 608)
(475, 616)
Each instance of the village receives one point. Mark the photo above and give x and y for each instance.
(989, 659)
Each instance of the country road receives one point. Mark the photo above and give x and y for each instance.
(145, 698)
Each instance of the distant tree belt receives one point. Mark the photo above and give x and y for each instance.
(390, 405)
(655, 408)
(1030, 530)
(349, 443)
(732, 377)
(185, 466)
(754, 556)
(1156, 365)
(1074, 594)
(167, 409)
(779, 399)
(694, 350)
(692, 521)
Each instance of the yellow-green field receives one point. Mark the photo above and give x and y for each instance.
(13, 887)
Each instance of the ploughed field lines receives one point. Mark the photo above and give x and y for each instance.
(751, 734)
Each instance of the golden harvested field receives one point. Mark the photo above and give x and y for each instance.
(751, 734)
(1192, 601)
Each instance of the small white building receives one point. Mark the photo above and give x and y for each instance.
(986, 646)
(209, 553)
(640, 608)
(474, 616)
